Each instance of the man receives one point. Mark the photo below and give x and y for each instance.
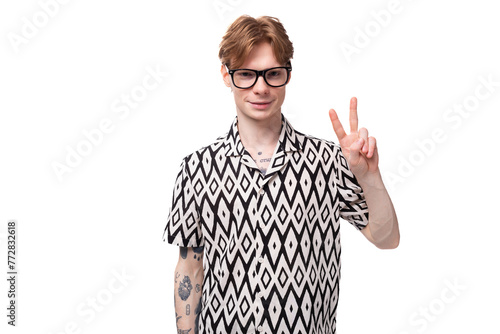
(256, 213)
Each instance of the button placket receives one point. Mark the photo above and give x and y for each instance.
(257, 303)
(260, 293)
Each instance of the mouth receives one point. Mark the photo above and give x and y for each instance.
(260, 104)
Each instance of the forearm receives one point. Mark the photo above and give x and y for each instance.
(187, 299)
(382, 216)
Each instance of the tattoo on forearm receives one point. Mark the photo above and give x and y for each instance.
(183, 331)
(198, 288)
(185, 288)
(188, 309)
(197, 311)
(177, 317)
(197, 251)
(177, 275)
(184, 252)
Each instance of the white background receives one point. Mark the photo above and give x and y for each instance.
(109, 212)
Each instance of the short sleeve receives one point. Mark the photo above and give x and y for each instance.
(353, 207)
(183, 226)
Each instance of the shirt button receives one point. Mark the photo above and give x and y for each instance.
(260, 294)
(261, 191)
(260, 328)
(261, 259)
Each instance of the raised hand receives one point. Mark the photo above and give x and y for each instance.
(359, 149)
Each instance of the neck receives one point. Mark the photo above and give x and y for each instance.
(259, 134)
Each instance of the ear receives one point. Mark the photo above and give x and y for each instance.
(225, 76)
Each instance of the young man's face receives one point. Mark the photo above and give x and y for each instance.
(260, 102)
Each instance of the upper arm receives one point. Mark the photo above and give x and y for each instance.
(191, 260)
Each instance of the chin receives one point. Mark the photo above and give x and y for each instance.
(262, 114)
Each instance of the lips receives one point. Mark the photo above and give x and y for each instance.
(260, 104)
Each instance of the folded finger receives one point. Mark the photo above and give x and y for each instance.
(372, 146)
(354, 151)
(363, 133)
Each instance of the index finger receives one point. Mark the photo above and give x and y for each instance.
(353, 115)
(337, 126)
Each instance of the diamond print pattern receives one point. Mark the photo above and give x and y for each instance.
(229, 185)
(284, 244)
(283, 215)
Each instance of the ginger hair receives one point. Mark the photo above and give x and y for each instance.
(246, 32)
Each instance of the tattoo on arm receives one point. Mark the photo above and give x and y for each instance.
(197, 311)
(184, 252)
(197, 251)
(185, 288)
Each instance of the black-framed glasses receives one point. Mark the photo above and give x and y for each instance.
(275, 77)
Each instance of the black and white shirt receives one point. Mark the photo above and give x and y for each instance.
(271, 242)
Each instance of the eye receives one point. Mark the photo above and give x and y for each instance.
(275, 73)
(245, 74)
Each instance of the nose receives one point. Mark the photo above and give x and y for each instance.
(260, 86)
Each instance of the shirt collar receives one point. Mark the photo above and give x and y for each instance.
(288, 140)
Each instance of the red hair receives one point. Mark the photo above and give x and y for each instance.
(244, 33)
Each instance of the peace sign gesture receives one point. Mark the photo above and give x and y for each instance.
(359, 149)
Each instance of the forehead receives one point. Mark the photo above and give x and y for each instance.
(261, 57)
